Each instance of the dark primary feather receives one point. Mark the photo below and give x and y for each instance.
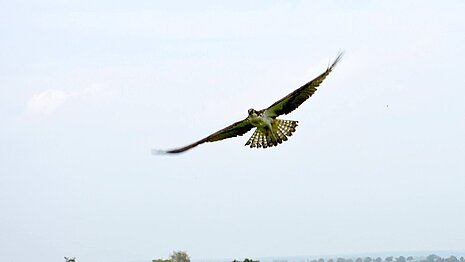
(296, 98)
(237, 129)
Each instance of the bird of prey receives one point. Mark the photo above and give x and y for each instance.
(269, 131)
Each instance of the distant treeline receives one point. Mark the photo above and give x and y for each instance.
(430, 258)
(182, 256)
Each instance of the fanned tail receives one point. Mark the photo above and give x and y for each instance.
(279, 132)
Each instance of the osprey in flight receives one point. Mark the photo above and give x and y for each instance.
(269, 131)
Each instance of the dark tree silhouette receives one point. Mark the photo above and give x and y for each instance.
(433, 258)
(452, 259)
(367, 259)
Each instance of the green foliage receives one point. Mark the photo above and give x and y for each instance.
(246, 260)
(180, 256)
(161, 260)
(250, 260)
(176, 256)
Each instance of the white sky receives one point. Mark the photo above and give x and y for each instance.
(87, 88)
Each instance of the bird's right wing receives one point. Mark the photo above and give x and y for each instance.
(237, 129)
(290, 102)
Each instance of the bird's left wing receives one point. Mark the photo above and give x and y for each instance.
(290, 102)
(237, 129)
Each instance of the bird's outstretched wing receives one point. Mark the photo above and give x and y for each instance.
(237, 129)
(290, 102)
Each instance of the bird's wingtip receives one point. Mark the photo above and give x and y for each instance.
(156, 152)
(338, 58)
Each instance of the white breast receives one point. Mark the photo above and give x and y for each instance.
(260, 122)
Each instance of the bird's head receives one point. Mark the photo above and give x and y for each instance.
(252, 112)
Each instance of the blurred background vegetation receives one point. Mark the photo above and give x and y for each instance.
(182, 256)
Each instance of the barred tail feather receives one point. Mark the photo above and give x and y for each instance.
(258, 140)
(287, 127)
(279, 132)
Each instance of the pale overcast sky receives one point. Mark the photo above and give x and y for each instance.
(87, 88)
